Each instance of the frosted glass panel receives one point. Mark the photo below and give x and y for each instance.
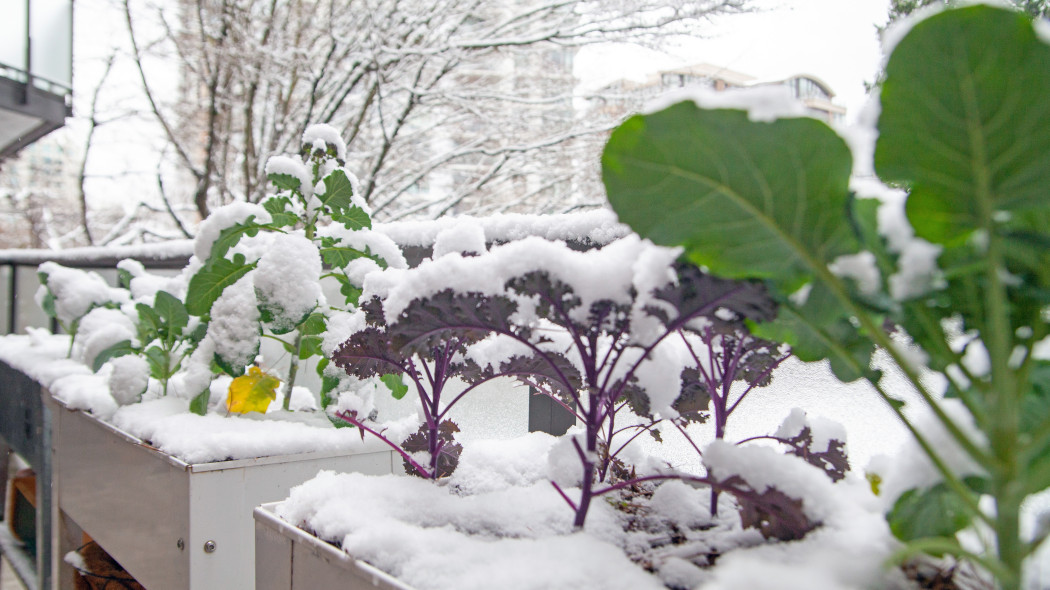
(50, 26)
(13, 34)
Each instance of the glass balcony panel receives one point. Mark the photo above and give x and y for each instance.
(51, 25)
(13, 36)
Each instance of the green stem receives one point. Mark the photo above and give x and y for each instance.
(293, 368)
(1007, 480)
(882, 340)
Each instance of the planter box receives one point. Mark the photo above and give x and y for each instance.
(173, 525)
(287, 558)
(25, 429)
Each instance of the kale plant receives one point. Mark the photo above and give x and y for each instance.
(311, 220)
(66, 295)
(964, 93)
(420, 348)
(165, 338)
(587, 346)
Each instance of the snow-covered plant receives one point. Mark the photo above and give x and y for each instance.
(958, 285)
(581, 327)
(68, 294)
(165, 337)
(410, 351)
(265, 264)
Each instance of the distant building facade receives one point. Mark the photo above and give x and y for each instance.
(811, 91)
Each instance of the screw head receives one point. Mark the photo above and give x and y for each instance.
(180, 544)
(209, 547)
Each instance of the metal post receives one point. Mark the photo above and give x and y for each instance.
(44, 498)
(12, 291)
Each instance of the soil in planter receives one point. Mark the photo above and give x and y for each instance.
(101, 572)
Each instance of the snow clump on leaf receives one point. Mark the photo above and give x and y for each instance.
(287, 281)
(222, 218)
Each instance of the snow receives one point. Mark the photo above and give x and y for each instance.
(465, 237)
(593, 274)
(234, 327)
(76, 291)
(911, 468)
(295, 168)
(497, 524)
(287, 280)
(822, 430)
(223, 218)
(598, 227)
(166, 423)
(101, 328)
(319, 136)
(762, 103)
(861, 268)
(127, 377)
(145, 285)
(1042, 29)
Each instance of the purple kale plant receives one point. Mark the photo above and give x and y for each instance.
(422, 350)
(591, 348)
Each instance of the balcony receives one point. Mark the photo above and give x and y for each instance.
(36, 71)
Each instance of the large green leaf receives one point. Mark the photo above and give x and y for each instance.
(172, 312)
(199, 403)
(279, 210)
(286, 182)
(337, 255)
(149, 326)
(229, 237)
(337, 191)
(353, 218)
(964, 120)
(934, 512)
(746, 199)
(211, 280)
(817, 329)
(1035, 427)
(122, 348)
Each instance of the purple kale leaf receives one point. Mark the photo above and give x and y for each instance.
(694, 401)
(444, 457)
(832, 461)
(432, 321)
(370, 353)
(775, 514)
(698, 294)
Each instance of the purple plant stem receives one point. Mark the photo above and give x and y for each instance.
(352, 419)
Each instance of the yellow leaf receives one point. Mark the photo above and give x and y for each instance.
(252, 392)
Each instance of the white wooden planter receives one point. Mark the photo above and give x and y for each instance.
(171, 524)
(287, 558)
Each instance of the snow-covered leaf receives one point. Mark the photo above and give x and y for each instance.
(285, 182)
(210, 281)
(338, 192)
(119, 349)
(353, 218)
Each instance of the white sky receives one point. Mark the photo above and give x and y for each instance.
(834, 40)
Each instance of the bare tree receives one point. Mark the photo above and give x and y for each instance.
(446, 105)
